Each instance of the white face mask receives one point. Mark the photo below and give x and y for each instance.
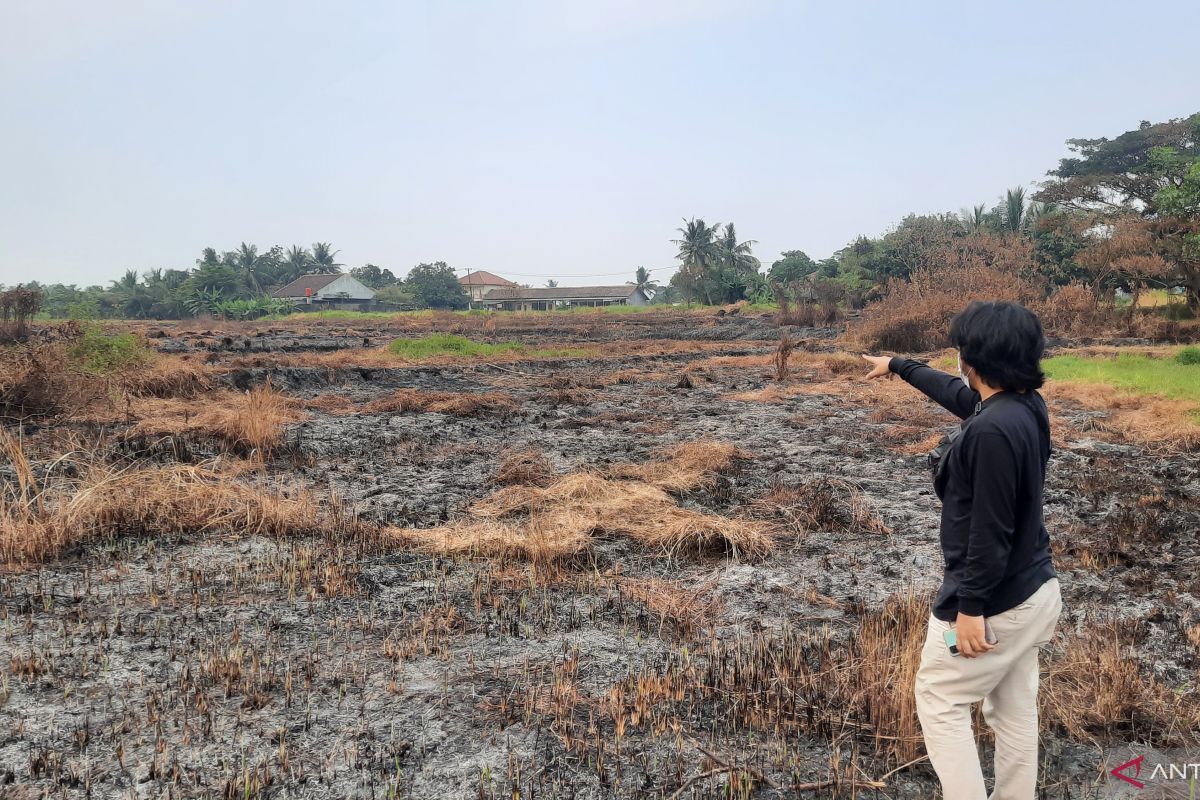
(962, 375)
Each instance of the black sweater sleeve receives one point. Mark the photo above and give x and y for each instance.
(994, 470)
(943, 388)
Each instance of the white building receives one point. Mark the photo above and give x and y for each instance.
(325, 290)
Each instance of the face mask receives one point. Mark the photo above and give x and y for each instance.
(962, 375)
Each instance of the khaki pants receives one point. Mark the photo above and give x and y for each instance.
(1006, 680)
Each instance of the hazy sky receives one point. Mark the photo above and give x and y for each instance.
(542, 139)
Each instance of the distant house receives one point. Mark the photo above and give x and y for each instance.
(478, 283)
(519, 299)
(327, 291)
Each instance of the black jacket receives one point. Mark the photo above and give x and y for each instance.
(994, 542)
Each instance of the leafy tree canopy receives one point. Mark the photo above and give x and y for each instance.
(435, 286)
(794, 265)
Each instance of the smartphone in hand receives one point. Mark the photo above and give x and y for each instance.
(951, 637)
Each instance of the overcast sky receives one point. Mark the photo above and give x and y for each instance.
(537, 140)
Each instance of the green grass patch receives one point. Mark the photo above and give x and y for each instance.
(446, 344)
(1175, 376)
(350, 315)
(101, 353)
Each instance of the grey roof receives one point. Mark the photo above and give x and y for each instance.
(563, 293)
(315, 281)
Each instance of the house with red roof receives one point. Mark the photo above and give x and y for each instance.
(477, 283)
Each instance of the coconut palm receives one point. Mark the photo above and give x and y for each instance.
(643, 281)
(736, 255)
(254, 270)
(1014, 209)
(323, 256)
(700, 258)
(739, 269)
(296, 262)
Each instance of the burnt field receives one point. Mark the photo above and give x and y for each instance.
(630, 556)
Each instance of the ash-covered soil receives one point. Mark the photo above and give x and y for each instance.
(211, 666)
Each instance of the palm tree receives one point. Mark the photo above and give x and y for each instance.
(253, 269)
(551, 284)
(208, 256)
(699, 255)
(296, 262)
(739, 267)
(736, 255)
(975, 220)
(323, 256)
(1014, 209)
(643, 281)
(127, 282)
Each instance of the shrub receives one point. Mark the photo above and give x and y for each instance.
(1073, 310)
(101, 353)
(914, 315)
(16, 307)
(1188, 355)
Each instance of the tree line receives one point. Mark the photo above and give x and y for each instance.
(1120, 215)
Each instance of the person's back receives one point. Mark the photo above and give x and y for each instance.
(999, 600)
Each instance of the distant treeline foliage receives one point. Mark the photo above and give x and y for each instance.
(1116, 218)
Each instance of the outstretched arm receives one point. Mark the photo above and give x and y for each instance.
(943, 388)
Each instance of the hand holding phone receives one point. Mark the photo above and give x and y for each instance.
(951, 637)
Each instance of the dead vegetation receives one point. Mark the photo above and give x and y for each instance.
(685, 467)
(694, 678)
(524, 468)
(820, 504)
(85, 498)
(459, 404)
(1161, 423)
(251, 422)
(1097, 690)
(558, 520)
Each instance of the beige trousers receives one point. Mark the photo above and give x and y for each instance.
(1006, 680)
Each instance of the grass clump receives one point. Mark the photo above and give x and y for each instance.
(1188, 355)
(100, 353)
(449, 344)
(86, 498)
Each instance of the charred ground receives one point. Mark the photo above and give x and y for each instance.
(682, 577)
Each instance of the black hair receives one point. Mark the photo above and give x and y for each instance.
(1003, 342)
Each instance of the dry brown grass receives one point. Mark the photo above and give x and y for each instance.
(688, 611)
(331, 403)
(168, 376)
(251, 422)
(35, 381)
(544, 523)
(780, 362)
(541, 539)
(821, 504)
(524, 467)
(683, 467)
(1158, 422)
(42, 520)
(459, 404)
(795, 682)
(1097, 687)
